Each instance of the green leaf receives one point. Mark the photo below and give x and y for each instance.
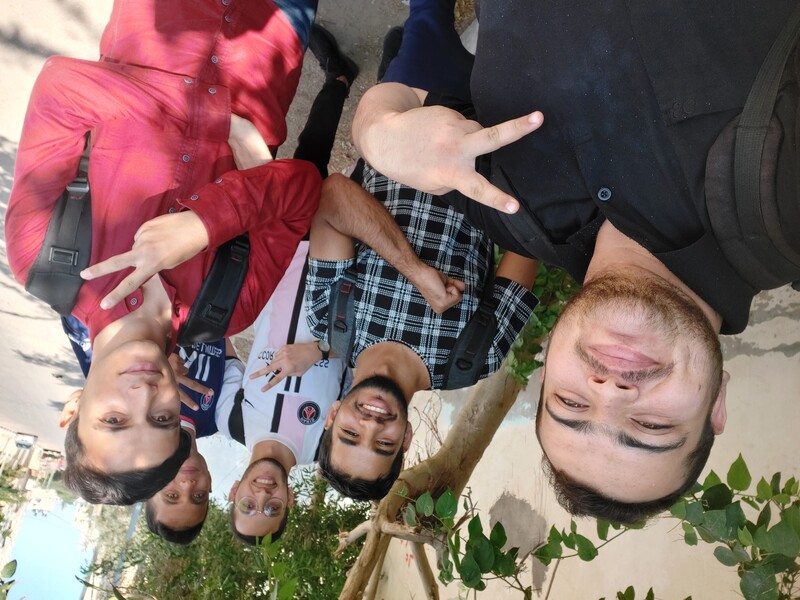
(715, 523)
(758, 584)
(474, 527)
(469, 571)
(403, 491)
(763, 490)
(650, 595)
(717, 496)
(745, 537)
(706, 535)
(286, 589)
(738, 475)
(734, 518)
(484, 554)
(792, 516)
(711, 480)
(761, 539)
(777, 563)
(750, 502)
(695, 512)
(586, 549)
(279, 570)
(498, 535)
(775, 483)
(791, 487)
(573, 526)
(740, 553)
(568, 540)
(9, 569)
(689, 534)
(782, 499)
(628, 594)
(410, 515)
(446, 505)
(506, 565)
(784, 540)
(425, 504)
(677, 510)
(602, 529)
(725, 556)
(765, 516)
(554, 535)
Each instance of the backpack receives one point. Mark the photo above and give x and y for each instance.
(468, 355)
(67, 249)
(754, 161)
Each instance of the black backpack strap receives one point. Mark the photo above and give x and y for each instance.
(213, 308)
(469, 353)
(750, 137)
(342, 314)
(67, 246)
(236, 418)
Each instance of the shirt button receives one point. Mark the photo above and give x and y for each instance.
(218, 180)
(214, 59)
(604, 194)
(194, 197)
(212, 91)
(172, 209)
(226, 2)
(228, 18)
(185, 158)
(187, 81)
(134, 302)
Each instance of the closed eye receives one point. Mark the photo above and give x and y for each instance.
(569, 403)
(652, 426)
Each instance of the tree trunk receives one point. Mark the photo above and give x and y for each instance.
(451, 467)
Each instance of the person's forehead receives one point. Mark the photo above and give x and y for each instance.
(137, 447)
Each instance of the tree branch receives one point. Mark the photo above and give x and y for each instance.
(425, 572)
(348, 537)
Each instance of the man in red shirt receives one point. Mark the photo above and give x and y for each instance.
(182, 90)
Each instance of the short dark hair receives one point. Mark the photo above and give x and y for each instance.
(354, 487)
(252, 540)
(176, 536)
(127, 487)
(581, 500)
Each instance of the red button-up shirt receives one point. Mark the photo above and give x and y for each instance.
(159, 145)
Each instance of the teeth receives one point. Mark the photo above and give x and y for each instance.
(265, 481)
(376, 409)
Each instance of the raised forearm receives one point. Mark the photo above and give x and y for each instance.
(348, 212)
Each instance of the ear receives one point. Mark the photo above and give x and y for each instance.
(407, 437)
(290, 499)
(719, 414)
(232, 493)
(70, 409)
(332, 413)
(541, 376)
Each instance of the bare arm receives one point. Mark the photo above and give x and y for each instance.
(347, 212)
(518, 268)
(432, 148)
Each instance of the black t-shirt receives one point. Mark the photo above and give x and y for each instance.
(633, 95)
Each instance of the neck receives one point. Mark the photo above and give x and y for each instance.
(152, 321)
(614, 251)
(275, 450)
(396, 361)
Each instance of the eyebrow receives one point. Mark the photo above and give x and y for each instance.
(377, 451)
(622, 438)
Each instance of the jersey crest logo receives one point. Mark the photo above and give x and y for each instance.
(308, 413)
(207, 402)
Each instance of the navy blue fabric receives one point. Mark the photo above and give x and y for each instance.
(206, 364)
(301, 15)
(431, 56)
(78, 336)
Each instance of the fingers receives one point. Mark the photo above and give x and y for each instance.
(262, 372)
(110, 265)
(195, 386)
(275, 378)
(490, 139)
(455, 283)
(126, 287)
(475, 186)
(188, 401)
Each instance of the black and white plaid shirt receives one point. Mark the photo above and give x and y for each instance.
(388, 307)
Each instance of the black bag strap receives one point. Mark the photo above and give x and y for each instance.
(750, 135)
(342, 314)
(67, 246)
(213, 308)
(468, 356)
(236, 418)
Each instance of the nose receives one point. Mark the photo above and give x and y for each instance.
(611, 386)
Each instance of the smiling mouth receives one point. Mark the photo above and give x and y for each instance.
(622, 357)
(142, 367)
(376, 408)
(265, 482)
